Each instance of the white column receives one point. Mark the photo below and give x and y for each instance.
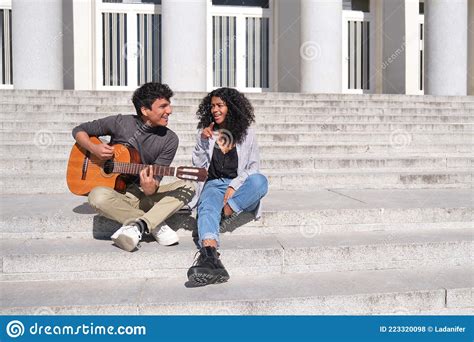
(184, 44)
(446, 47)
(37, 44)
(84, 44)
(412, 46)
(321, 46)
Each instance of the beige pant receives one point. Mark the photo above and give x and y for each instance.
(154, 209)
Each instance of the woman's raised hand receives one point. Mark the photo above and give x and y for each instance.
(208, 131)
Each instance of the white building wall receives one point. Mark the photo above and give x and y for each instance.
(393, 63)
(66, 56)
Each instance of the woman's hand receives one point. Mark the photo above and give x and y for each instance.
(227, 209)
(228, 194)
(208, 131)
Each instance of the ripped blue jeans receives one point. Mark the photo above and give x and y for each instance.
(211, 202)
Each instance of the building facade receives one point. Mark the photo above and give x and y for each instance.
(310, 46)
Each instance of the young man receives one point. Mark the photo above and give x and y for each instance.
(146, 204)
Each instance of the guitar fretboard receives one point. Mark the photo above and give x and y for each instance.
(135, 169)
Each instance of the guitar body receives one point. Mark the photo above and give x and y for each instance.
(85, 171)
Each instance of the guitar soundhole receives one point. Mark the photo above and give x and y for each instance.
(108, 167)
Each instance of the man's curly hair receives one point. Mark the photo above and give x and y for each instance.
(239, 116)
(148, 93)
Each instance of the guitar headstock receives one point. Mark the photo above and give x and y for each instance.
(196, 174)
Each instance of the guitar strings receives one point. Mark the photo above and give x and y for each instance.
(128, 164)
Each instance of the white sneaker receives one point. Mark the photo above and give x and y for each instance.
(127, 237)
(165, 235)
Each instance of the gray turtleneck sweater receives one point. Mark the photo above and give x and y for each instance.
(156, 145)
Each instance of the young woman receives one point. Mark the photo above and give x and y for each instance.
(227, 147)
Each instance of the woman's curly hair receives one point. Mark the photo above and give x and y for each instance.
(240, 113)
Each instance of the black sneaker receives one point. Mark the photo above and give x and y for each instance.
(207, 269)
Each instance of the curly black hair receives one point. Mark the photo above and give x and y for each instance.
(240, 113)
(149, 93)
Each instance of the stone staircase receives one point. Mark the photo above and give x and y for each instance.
(369, 212)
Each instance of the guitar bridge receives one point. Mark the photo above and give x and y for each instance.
(85, 165)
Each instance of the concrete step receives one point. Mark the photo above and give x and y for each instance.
(15, 126)
(271, 126)
(266, 95)
(262, 115)
(243, 255)
(14, 182)
(268, 108)
(62, 149)
(398, 138)
(295, 127)
(73, 119)
(397, 292)
(256, 102)
(371, 179)
(310, 213)
(280, 162)
(101, 97)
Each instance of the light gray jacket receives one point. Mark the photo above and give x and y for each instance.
(249, 161)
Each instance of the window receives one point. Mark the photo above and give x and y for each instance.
(156, 2)
(114, 45)
(224, 51)
(356, 5)
(6, 76)
(149, 51)
(257, 45)
(249, 3)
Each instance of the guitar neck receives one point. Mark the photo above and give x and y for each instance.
(135, 169)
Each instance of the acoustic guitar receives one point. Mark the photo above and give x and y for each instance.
(85, 171)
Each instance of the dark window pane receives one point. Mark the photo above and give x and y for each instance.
(347, 5)
(356, 5)
(250, 3)
(361, 5)
(156, 2)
